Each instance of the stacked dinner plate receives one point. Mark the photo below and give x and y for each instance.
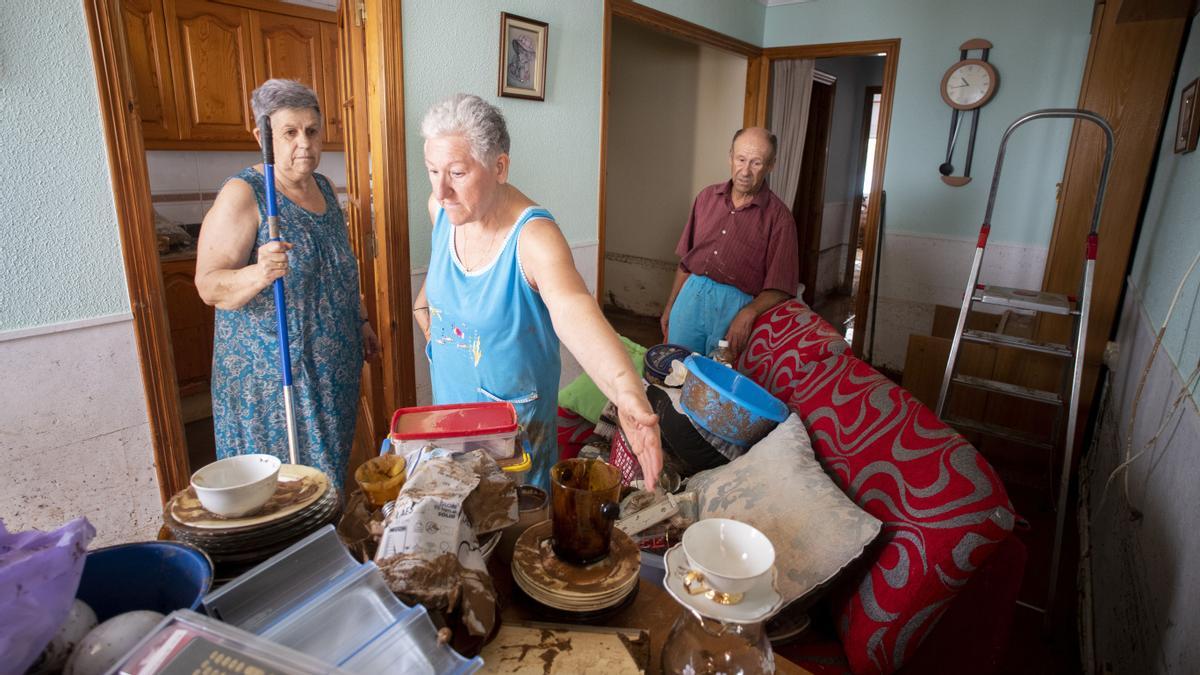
(303, 502)
(575, 590)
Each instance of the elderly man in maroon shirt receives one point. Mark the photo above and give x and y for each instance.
(738, 255)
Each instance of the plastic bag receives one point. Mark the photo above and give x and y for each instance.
(39, 575)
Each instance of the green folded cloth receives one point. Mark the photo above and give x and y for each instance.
(584, 398)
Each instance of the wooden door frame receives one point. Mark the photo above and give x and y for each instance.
(139, 247)
(860, 174)
(757, 97)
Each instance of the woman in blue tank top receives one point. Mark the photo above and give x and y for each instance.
(502, 289)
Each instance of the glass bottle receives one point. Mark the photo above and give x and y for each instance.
(722, 354)
(698, 645)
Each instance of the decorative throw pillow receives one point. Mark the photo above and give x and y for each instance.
(779, 487)
(582, 396)
(784, 339)
(943, 507)
(573, 433)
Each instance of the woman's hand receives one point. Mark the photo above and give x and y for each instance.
(371, 347)
(272, 262)
(641, 428)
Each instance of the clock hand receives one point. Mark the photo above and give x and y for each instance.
(964, 82)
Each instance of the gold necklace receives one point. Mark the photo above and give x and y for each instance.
(488, 250)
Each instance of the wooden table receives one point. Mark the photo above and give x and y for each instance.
(653, 610)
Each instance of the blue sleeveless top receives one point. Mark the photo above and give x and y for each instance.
(321, 288)
(491, 339)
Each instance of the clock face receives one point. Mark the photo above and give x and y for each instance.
(969, 84)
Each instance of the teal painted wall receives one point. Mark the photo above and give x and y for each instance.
(1170, 234)
(742, 19)
(1040, 49)
(60, 256)
(555, 143)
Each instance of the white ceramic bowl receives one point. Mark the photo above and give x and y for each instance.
(730, 554)
(235, 486)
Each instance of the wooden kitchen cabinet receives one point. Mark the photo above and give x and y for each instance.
(191, 326)
(213, 66)
(150, 66)
(331, 103)
(195, 63)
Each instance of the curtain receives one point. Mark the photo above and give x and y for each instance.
(791, 90)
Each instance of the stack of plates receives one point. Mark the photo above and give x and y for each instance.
(578, 590)
(303, 502)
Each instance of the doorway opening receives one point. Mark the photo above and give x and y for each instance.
(172, 327)
(835, 136)
(674, 102)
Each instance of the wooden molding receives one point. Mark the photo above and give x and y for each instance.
(834, 49)
(602, 215)
(1155, 10)
(667, 23)
(389, 190)
(286, 8)
(975, 43)
(758, 89)
(135, 222)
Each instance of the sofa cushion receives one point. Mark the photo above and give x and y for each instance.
(784, 339)
(779, 487)
(943, 507)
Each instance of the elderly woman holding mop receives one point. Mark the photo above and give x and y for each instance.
(236, 265)
(502, 289)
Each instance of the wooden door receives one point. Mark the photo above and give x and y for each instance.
(289, 48)
(331, 103)
(348, 112)
(213, 69)
(150, 67)
(810, 192)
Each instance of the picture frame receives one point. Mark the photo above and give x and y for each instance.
(1188, 129)
(524, 50)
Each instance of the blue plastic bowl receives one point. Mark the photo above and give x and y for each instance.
(162, 576)
(728, 404)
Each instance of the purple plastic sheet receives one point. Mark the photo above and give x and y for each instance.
(39, 574)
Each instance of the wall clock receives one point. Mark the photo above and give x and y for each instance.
(967, 86)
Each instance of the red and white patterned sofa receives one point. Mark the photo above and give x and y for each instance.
(935, 593)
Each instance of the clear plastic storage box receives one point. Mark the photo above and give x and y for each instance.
(315, 598)
(460, 427)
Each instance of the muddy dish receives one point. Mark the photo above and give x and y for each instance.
(567, 587)
(381, 478)
(235, 486)
(728, 404)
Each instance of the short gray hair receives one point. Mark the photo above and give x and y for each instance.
(277, 94)
(473, 118)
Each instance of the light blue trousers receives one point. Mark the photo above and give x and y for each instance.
(702, 312)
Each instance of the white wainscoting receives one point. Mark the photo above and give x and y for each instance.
(76, 435)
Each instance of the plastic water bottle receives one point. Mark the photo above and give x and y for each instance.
(722, 354)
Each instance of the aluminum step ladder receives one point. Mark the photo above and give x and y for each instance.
(1077, 307)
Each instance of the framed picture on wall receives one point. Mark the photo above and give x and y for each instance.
(523, 52)
(1189, 118)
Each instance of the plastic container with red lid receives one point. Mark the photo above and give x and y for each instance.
(491, 427)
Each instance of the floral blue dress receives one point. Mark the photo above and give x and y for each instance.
(321, 288)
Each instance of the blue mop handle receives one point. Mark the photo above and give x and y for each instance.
(281, 324)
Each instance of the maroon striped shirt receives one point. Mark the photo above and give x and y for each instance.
(751, 248)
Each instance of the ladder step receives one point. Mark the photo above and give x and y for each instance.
(999, 432)
(1015, 342)
(1041, 396)
(1020, 298)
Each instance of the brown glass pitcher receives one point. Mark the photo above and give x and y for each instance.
(584, 493)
